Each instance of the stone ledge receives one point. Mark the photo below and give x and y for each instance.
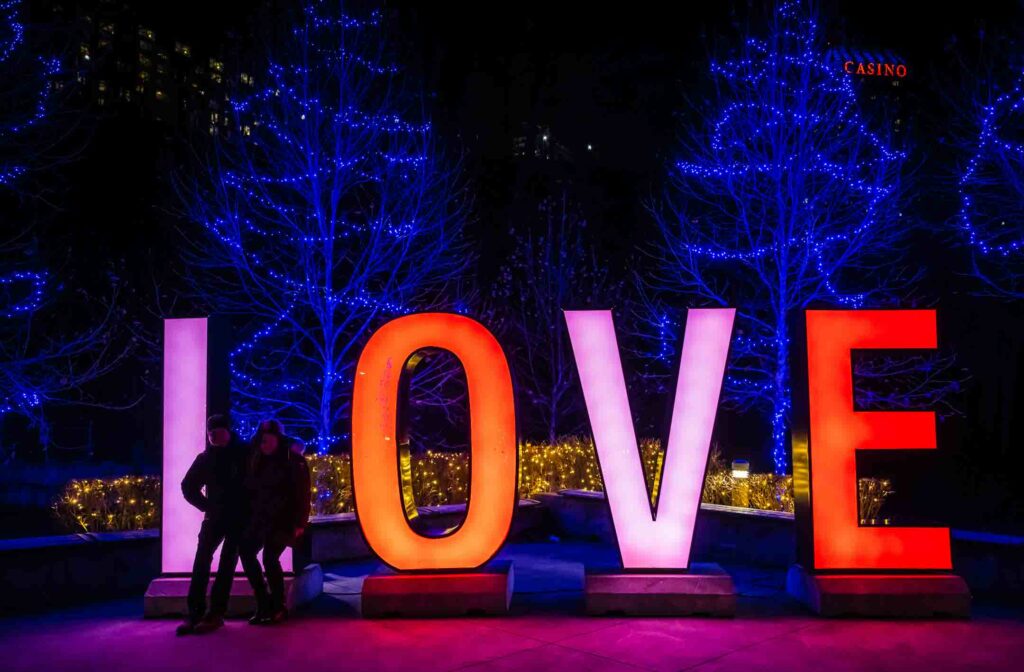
(168, 595)
(483, 592)
(880, 595)
(705, 590)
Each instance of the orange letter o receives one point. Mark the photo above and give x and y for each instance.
(375, 472)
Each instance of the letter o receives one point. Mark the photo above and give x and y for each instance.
(375, 473)
(901, 70)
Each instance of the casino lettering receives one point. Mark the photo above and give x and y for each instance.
(870, 69)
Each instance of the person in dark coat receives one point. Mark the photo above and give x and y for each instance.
(215, 484)
(301, 546)
(278, 487)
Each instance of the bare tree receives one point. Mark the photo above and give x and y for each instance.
(47, 357)
(324, 209)
(552, 267)
(784, 199)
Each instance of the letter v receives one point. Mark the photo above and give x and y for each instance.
(649, 538)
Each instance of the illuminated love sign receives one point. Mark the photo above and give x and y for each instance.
(652, 537)
(195, 374)
(828, 432)
(492, 424)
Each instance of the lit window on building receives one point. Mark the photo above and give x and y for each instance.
(143, 75)
(160, 95)
(83, 51)
(215, 76)
(246, 130)
(146, 34)
(217, 66)
(246, 79)
(107, 29)
(101, 85)
(182, 49)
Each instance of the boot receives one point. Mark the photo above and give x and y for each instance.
(277, 616)
(187, 627)
(262, 615)
(209, 623)
(277, 612)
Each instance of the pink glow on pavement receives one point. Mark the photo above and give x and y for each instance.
(660, 540)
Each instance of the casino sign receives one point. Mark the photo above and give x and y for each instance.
(870, 64)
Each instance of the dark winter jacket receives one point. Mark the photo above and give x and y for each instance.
(278, 487)
(220, 472)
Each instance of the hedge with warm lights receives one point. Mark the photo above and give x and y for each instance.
(109, 504)
(133, 502)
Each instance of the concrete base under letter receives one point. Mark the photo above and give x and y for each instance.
(705, 590)
(484, 592)
(168, 595)
(880, 595)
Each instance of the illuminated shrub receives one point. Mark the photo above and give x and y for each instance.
(872, 493)
(571, 464)
(767, 492)
(442, 478)
(771, 492)
(438, 478)
(331, 480)
(109, 504)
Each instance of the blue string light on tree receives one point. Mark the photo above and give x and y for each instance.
(28, 98)
(327, 209)
(21, 293)
(782, 199)
(991, 190)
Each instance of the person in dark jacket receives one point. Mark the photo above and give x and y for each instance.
(278, 486)
(301, 547)
(215, 484)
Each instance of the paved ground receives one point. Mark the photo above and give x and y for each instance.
(544, 633)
